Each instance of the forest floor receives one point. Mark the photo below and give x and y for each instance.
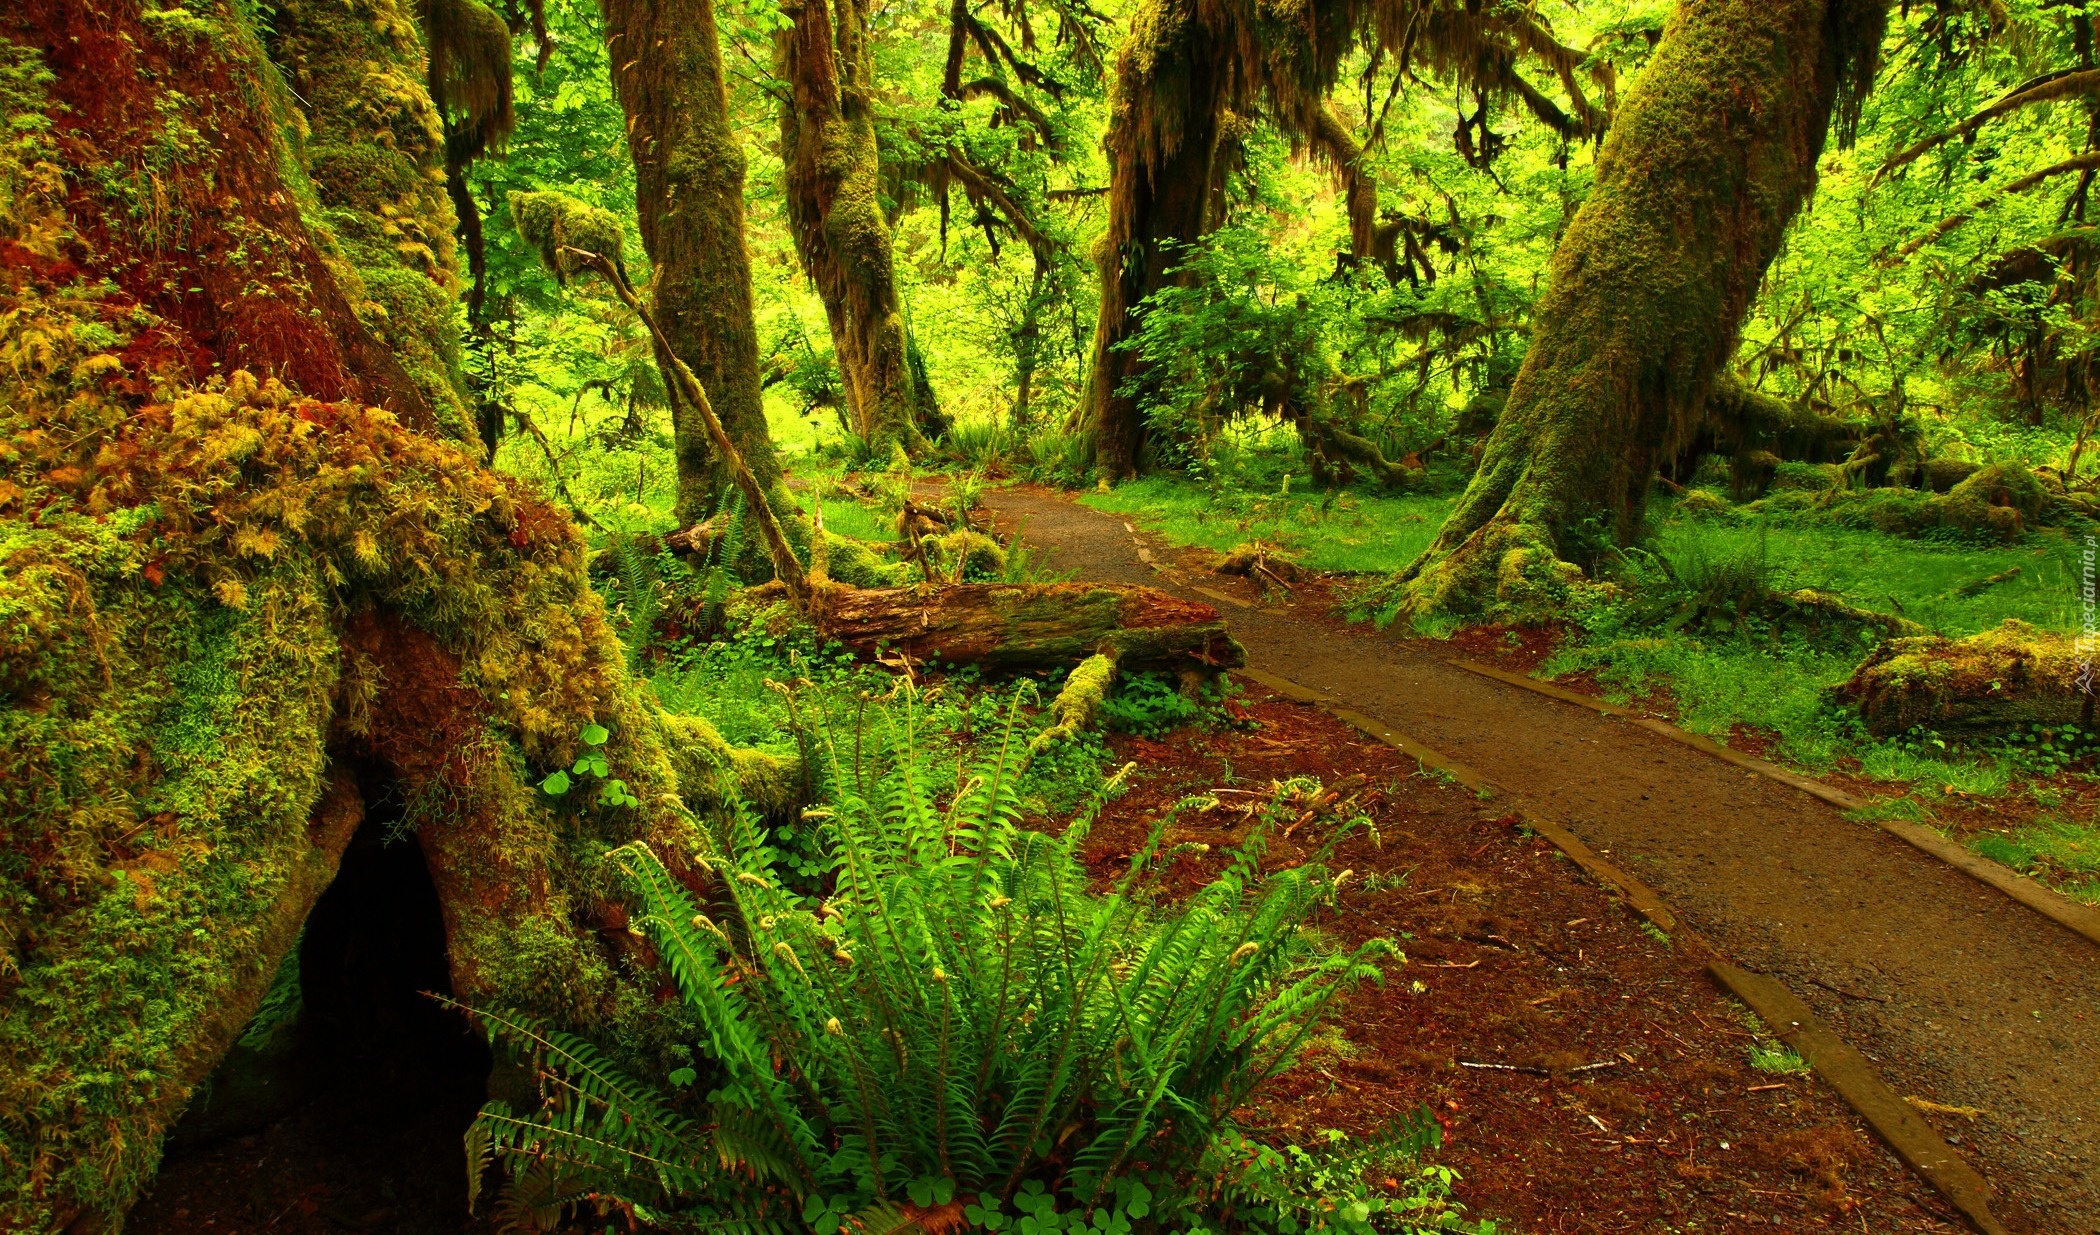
(1962, 997)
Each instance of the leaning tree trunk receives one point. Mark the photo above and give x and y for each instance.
(1713, 153)
(834, 205)
(689, 192)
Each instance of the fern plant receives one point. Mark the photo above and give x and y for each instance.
(962, 1026)
(638, 593)
(723, 555)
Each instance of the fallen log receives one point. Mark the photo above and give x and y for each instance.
(1017, 627)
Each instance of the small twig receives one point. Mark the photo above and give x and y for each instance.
(1448, 965)
(561, 486)
(1531, 1071)
(1839, 990)
(1763, 1088)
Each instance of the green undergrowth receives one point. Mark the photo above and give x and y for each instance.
(739, 680)
(1687, 621)
(2063, 851)
(1949, 586)
(948, 1024)
(1692, 621)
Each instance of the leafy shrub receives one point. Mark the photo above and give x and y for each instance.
(963, 1031)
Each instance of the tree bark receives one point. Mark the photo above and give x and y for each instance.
(842, 233)
(689, 193)
(1012, 627)
(1713, 153)
(1172, 85)
(240, 555)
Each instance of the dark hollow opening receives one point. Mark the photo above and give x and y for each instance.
(350, 1114)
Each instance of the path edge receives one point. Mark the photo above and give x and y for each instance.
(2058, 908)
(1838, 1063)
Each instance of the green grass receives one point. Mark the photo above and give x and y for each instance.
(1777, 1060)
(1351, 530)
(1919, 579)
(2063, 851)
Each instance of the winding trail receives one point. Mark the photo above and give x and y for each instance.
(1960, 995)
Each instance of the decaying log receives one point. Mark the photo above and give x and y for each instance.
(1014, 626)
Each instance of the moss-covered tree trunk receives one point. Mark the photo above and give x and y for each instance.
(241, 558)
(1171, 86)
(689, 193)
(834, 196)
(1713, 153)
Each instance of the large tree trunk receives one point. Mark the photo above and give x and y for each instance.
(228, 579)
(834, 200)
(689, 191)
(388, 223)
(1713, 152)
(1172, 84)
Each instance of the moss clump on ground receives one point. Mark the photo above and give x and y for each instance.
(1985, 684)
(1999, 503)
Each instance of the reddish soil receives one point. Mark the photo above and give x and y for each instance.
(1959, 995)
(1521, 962)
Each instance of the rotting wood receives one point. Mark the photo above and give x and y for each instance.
(1016, 627)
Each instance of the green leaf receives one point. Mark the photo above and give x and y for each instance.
(594, 735)
(556, 785)
(682, 1077)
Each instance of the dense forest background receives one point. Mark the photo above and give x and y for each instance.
(532, 465)
(1937, 281)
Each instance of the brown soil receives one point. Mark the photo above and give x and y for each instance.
(1970, 1000)
(1514, 960)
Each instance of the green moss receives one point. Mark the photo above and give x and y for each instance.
(1987, 683)
(1724, 126)
(1998, 503)
(220, 586)
(703, 760)
(551, 222)
(1807, 477)
(372, 153)
(1079, 701)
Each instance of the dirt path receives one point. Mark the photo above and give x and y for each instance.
(1961, 996)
